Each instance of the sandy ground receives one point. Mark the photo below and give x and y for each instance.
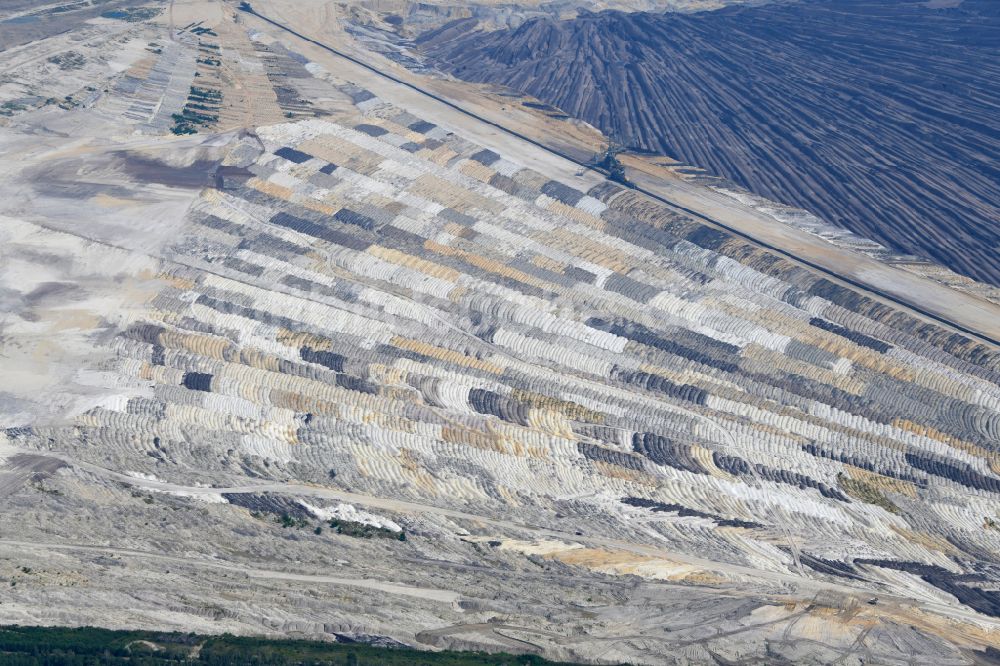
(651, 561)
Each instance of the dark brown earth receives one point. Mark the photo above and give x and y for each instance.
(881, 116)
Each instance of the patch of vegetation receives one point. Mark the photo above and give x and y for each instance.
(66, 102)
(68, 60)
(364, 531)
(205, 94)
(186, 122)
(181, 126)
(201, 110)
(37, 485)
(9, 108)
(289, 521)
(86, 646)
(133, 14)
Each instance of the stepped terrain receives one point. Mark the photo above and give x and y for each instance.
(877, 116)
(298, 343)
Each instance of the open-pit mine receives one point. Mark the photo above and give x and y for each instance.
(297, 341)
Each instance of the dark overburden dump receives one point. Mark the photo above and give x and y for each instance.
(986, 601)
(877, 115)
(686, 512)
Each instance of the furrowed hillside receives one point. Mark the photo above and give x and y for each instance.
(878, 116)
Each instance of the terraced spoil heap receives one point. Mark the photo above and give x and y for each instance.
(372, 379)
